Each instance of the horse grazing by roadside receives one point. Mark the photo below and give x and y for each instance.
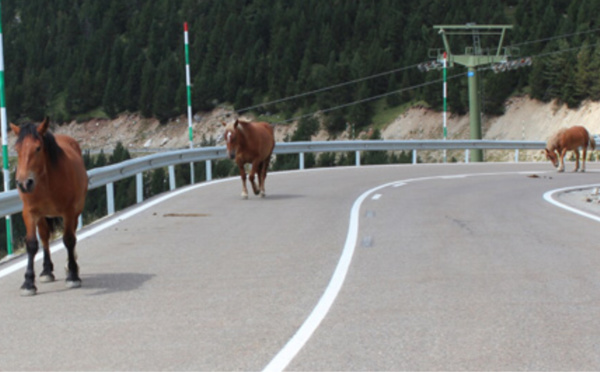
(250, 142)
(569, 139)
(52, 183)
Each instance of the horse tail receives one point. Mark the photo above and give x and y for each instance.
(592, 143)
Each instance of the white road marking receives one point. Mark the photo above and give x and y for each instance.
(548, 197)
(297, 342)
(453, 177)
(306, 330)
(376, 197)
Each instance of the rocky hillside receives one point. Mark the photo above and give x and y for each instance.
(525, 119)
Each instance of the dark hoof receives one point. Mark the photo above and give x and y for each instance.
(27, 292)
(47, 278)
(73, 284)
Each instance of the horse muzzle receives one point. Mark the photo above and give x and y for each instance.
(27, 186)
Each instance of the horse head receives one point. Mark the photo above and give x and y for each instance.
(231, 137)
(31, 153)
(551, 155)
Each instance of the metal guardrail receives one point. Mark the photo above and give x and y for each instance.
(10, 202)
(380, 145)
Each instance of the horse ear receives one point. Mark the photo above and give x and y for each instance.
(43, 127)
(15, 128)
(237, 122)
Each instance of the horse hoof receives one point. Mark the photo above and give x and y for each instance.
(73, 284)
(47, 278)
(262, 195)
(27, 292)
(244, 195)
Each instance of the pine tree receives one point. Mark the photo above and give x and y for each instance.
(595, 75)
(146, 93)
(584, 75)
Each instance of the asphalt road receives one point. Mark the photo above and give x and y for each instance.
(453, 267)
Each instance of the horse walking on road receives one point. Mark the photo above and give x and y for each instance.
(52, 183)
(250, 142)
(569, 139)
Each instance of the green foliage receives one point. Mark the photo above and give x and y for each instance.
(72, 58)
(375, 157)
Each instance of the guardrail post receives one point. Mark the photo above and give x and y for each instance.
(172, 177)
(516, 155)
(301, 165)
(357, 158)
(209, 170)
(467, 156)
(414, 154)
(139, 187)
(110, 198)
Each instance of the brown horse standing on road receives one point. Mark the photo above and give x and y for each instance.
(569, 139)
(52, 183)
(250, 142)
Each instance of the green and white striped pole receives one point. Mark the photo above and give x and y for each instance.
(445, 64)
(5, 164)
(189, 95)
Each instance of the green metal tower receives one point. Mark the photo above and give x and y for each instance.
(473, 58)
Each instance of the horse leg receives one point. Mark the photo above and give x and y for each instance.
(28, 288)
(46, 276)
(583, 159)
(576, 151)
(69, 240)
(255, 169)
(561, 159)
(263, 176)
(243, 175)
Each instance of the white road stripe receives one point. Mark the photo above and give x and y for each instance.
(303, 334)
(548, 197)
(293, 346)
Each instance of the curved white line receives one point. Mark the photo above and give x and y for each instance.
(548, 196)
(293, 346)
(303, 334)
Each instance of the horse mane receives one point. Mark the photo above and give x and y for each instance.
(232, 127)
(51, 147)
(553, 141)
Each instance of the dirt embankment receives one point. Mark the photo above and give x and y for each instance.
(525, 119)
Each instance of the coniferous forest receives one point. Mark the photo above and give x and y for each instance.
(75, 59)
(82, 59)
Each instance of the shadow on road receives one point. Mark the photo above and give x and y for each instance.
(283, 196)
(114, 282)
